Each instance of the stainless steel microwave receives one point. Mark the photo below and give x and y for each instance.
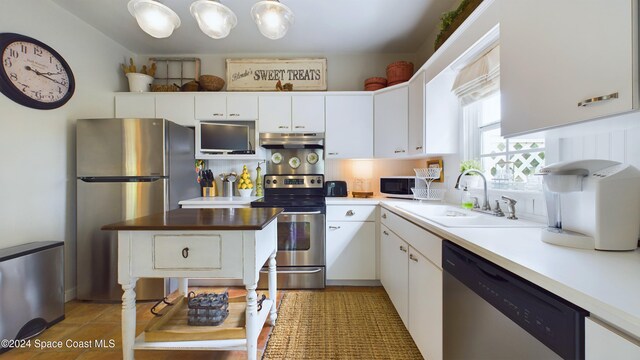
(397, 186)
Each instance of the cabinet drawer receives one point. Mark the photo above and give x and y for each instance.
(351, 213)
(423, 241)
(200, 252)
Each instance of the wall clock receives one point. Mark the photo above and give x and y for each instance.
(33, 74)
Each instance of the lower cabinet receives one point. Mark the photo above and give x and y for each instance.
(413, 280)
(603, 343)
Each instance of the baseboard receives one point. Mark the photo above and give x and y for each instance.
(70, 294)
(353, 283)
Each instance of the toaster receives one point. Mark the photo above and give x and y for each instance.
(335, 188)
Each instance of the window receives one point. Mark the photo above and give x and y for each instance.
(508, 163)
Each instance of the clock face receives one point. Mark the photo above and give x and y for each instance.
(33, 74)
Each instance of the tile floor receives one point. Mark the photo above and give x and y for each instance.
(97, 321)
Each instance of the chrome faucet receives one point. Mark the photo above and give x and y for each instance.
(511, 207)
(485, 204)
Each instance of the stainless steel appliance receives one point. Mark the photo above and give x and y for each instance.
(491, 313)
(126, 168)
(399, 186)
(295, 182)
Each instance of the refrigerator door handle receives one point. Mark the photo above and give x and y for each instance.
(103, 179)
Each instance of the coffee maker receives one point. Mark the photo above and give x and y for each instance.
(592, 204)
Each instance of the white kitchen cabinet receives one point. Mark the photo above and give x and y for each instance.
(351, 242)
(286, 113)
(226, 107)
(425, 305)
(394, 271)
(178, 108)
(135, 105)
(442, 108)
(349, 126)
(553, 57)
(416, 115)
(391, 122)
(603, 343)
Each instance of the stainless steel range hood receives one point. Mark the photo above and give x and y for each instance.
(292, 141)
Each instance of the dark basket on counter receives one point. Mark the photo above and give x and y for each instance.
(207, 309)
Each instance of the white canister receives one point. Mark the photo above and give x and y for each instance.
(139, 82)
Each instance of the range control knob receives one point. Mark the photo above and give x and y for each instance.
(268, 182)
(319, 180)
(275, 181)
(313, 181)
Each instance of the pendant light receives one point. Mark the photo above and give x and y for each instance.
(272, 17)
(214, 19)
(154, 18)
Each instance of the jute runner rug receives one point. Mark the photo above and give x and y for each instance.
(350, 324)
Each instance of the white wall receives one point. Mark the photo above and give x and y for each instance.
(37, 178)
(345, 72)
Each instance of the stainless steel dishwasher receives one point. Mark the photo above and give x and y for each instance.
(491, 313)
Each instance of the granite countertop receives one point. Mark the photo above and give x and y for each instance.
(202, 219)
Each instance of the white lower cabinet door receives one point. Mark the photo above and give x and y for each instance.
(602, 343)
(351, 250)
(425, 305)
(394, 271)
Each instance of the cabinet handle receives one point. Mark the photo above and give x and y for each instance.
(418, 147)
(411, 257)
(333, 153)
(399, 151)
(185, 252)
(234, 114)
(218, 114)
(403, 249)
(283, 127)
(384, 215)
(350, 213)
(334, 227)
(299, 127)
(598, 99)
(385, 232)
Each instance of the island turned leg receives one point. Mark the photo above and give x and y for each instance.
(252, 322)
(273, 289)
(183, 286)
(128, 319)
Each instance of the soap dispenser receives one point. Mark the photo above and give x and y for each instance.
(467, 199)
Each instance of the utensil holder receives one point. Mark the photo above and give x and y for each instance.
(209, 191)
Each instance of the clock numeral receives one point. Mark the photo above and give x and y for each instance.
(37, 51)
(13, 76)
(13, 53)
(23, 48)
(50, 59)
(59, 90)
(38, 95)
(7, 62)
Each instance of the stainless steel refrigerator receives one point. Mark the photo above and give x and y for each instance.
(126, 168)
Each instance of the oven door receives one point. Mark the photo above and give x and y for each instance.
(301, 239)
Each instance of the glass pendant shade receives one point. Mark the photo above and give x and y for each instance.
(154, 18)
(272, 17)
(214, 19)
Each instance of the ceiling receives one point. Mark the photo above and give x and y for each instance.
(321, 26)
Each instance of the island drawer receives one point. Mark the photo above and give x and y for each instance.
(351, 212)
(198, 252)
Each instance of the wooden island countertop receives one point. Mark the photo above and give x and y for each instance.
(202, 219)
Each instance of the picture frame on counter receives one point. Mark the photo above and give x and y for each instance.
(304, 74)
(436, 163)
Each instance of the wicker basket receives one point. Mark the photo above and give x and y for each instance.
(164, 88)
(211, 83)
(398, 72)
(190, 86)
(375, 83)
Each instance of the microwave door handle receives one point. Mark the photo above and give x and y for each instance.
(302, 212)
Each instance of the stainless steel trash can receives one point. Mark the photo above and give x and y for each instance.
(31, 289)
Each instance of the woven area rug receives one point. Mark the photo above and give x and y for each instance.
(349, 324)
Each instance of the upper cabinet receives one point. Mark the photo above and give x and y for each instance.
(562, 62)
(391, 122)
(441, 115)
(135, 105)
(220, 106)
(176, 107)
(416, 115)
(291, 114)
(349, 120)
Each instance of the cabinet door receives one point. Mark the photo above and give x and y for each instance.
(242, 107)
(391, 121)
(441, 115)
(274, 113)
(416, 115)
(349, 122)
(425, 305)
(178, 108)
(135, 105)
(556, 54)
(394, 271)
(210, 107)
(602, 343)
(351, 250)
(307, 113)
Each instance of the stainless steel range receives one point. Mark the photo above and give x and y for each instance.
(295, 181)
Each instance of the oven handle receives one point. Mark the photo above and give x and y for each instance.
(302, 212)
(293, 271)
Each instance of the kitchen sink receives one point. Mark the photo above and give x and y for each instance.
(451, 216)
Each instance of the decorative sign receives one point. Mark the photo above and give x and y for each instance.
(264, 74)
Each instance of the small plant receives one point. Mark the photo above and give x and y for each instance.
(470, 164)
(131, 68)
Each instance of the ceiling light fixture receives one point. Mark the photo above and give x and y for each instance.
(214, 19)
(272, 17)
(154, 18)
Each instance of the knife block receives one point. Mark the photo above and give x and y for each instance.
(209, 191)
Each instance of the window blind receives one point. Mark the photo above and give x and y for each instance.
(479, 79)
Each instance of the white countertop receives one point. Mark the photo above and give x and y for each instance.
(354, 201)
(219, 200)
(605, 283)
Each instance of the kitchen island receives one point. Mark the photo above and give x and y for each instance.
(198, 243)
